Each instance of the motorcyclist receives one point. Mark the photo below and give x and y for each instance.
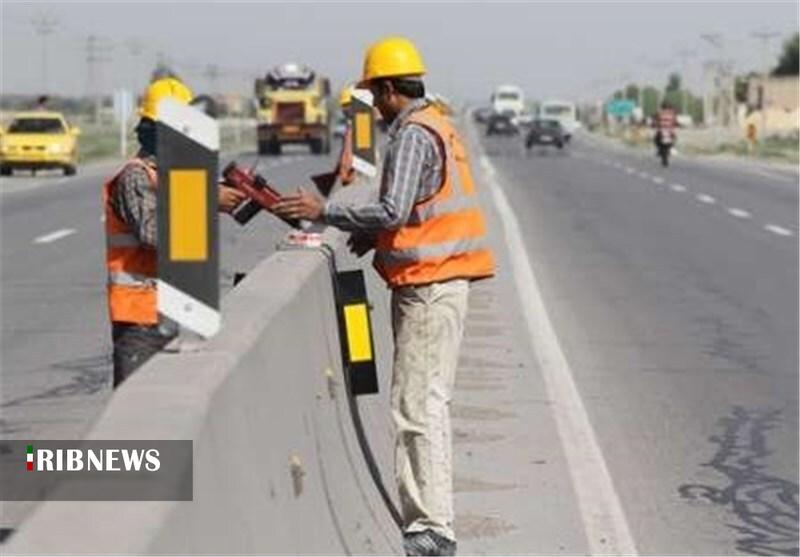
(665, 122)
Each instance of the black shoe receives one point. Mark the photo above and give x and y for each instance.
(428, 542)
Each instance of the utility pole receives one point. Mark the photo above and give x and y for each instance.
(212, 74)
(684, 54)
(96, 53)
(44, 25)
(715, 40)
(135, 49)
(765, 37)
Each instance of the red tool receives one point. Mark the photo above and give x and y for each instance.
(261, 194)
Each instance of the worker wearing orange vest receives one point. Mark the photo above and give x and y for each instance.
(430, 241)
(129, 198)
(344, 167)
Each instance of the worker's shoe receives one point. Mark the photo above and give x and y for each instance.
(428, 542)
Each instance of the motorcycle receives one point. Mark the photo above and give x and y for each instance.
(665, 140)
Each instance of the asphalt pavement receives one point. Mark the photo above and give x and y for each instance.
(674, 295)
(55, 340)
(660, 413)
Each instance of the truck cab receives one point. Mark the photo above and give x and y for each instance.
(293, 108)
(508, 100)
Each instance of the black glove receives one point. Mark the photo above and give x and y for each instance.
(361, 244)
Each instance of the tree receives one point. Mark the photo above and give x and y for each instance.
(632, 92)
(696, 109)
(788, 63)
(674, 82)
(650, 97)
(674, 97)
(740, 87)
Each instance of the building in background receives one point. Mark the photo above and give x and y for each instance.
(778, 97)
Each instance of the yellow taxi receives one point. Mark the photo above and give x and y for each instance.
(38, 140)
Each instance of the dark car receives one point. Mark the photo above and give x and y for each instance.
(481, 115)
(503, 123)
(545, 131)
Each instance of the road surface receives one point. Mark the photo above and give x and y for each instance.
(659, 414)
(674, 294)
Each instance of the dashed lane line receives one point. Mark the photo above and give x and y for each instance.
(54, 236)
(779, 230)
(678, 188)
(739, 213)
(703, 198)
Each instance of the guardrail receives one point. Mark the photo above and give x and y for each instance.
(282, 464)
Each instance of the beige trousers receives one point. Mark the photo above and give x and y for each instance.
(428, 323)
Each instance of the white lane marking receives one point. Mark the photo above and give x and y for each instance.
(658, 179)
(779, 230)
(630, 170)
(703, 198)
(763, 172)
(739, 213)
(53, 236)
(644, 175)
(678, 187)
(606, 527)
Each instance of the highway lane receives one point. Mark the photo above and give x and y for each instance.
(767, 194)
(55, 340)
(679, 321)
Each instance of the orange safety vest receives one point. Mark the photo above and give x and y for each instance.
(445, 235)
(345, 167)
(131, 265)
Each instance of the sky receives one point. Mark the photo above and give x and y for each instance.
(569, 50)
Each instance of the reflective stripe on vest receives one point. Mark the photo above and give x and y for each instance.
(121, 278)
(454, 204)
(131, 265)
(444, 237)
(122, 240)
(433, 251)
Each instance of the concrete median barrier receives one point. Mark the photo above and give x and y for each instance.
(282, 463)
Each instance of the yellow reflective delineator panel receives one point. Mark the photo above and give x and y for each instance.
(357, 328)
(363, 129)
(355, 334)
(188, 212)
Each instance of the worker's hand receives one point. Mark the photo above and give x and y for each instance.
(360, 243)
(229, 198)
(301, 205)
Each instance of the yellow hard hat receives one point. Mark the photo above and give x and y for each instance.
(346, 96)
(392, 57)
(161, 89)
